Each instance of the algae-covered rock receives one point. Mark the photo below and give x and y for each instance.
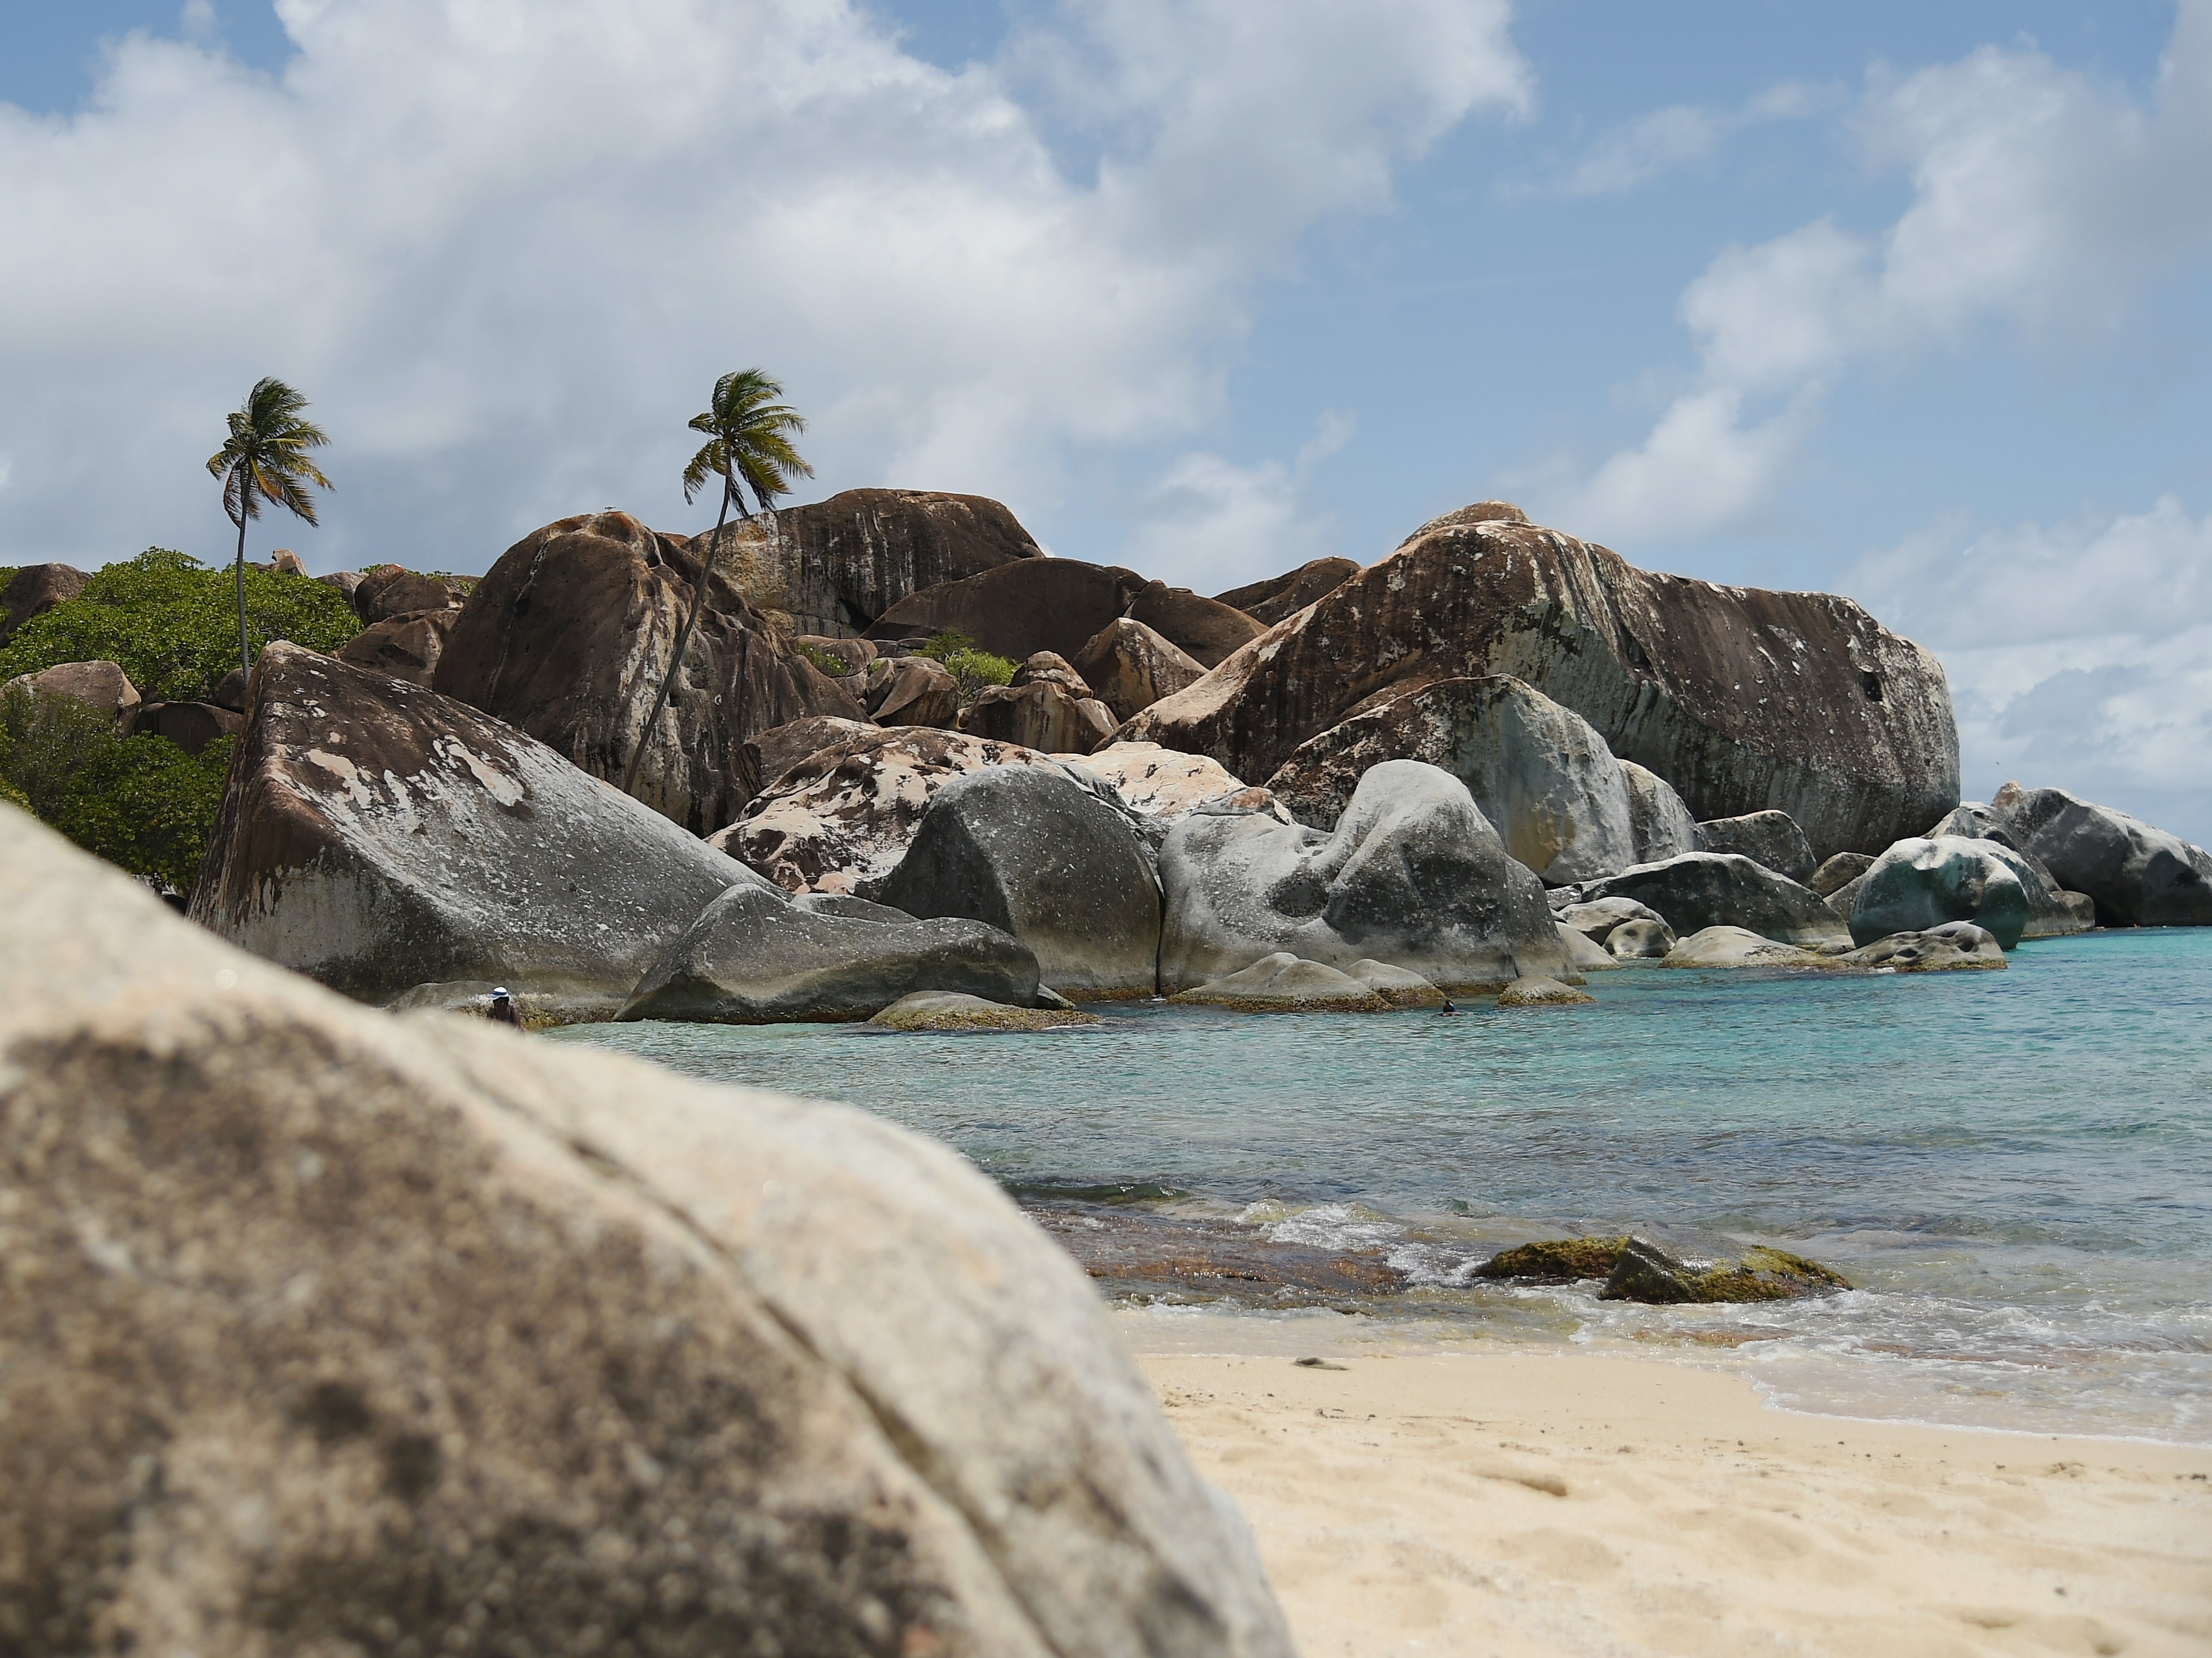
(1672, 1273)
(1555, 1260)
(1536, 991)
(1284, 983)
(946, 1010)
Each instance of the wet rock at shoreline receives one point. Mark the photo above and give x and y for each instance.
(1284, 983)
(1953, 947)
(1029, 850)
(1668, 1267)
(949, 1010)
(1771, 838)
(1536, 991)
(756, 956)
(1582, 956)
(1412, 875)
(413, 1334)
(1056, 605)
(1702, 890)
(1920, 884)
(1131, 667)
(377, 836)
(1736, 946)
(2136, 875)
(1544, 780)
(1555, 1260)
(1395, 985)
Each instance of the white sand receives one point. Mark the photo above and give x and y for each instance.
(1548, 1502)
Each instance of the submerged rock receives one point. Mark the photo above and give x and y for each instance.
(2136, 875)
(1685, 1270)
(1771, 838)
(943, 1010)
(1954, 946)
(1412, 875)
(1919, 885)
(1284, 983)
(1555, 1260)
(1703, 890)
(332, 1331)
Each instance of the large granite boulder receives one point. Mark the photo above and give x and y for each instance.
(1736, 946)
(1839, 871)
(910, 690)
(1660, 824)
(768, 755)
(1703, 890)
(1412, 875)
(1542, 777)
(1035, 605)
(1741, 699)
(1920, 884)
(389, 591)
(1166, 785)
(101, 686)
(190, 725)
(1131, 667)
(1032, 851)
(2136, 875)
(34, 590)
(405, 647)
(1205, 629)
(840, 821)
(569, 635)
(837, 657)
(1284, 983)
(843, 562)
(333, 1332)
(379, 837)
(1280, 596)
(1955, 946)
(1771, 838)
(757, 955)
(1046, 706)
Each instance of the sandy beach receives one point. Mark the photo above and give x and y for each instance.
(1541, 1501)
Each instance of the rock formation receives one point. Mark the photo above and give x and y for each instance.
(1030, 851)
(34, 590)
(1284, 983)
(1702, 890)
(1060, 605)
(1736, 946)
(1205, 629)
(389, 591)
(1741, 699)
(190, 725)
(1917, 885)
(1543, 778)
(1840, 871)
(1268, 602)
(99, 685)
(407, 647)
(327, 1332)
(1412, 875)
(1537, 991)
(1645, 940)
(1660, 824)
(1166, 785)
(756, 956)
(910, 690)
(2137, 876)
(1954, 947)
(1771, 838)
(765, 757)
(379, 837)
(1046, 706)
(949, 1010)
(1131, 667)
(568, 636)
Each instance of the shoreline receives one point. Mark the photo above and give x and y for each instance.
(1534, 1500)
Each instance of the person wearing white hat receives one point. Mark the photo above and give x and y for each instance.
(502, 1007)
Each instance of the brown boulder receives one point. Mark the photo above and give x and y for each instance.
(1131, 667)
(842, 562)
(1204, 628)
(1280, 596)
(388, 591)
(34, 590)
(1029, 605)
(911, 691)
(1049, 668)
(190, 725)
(405, 647)
(1043, 715)
(776, 750)
(101, 685)
(567, 638)
(1741, 699)
(854, 653)
(285, 561)
(346, 581)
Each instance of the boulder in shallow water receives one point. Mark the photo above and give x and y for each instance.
(1555, 1260)
(1677, 1267)
(1659, 822)
(1412, 875)
(1536, 991)
(1395, 985)
(754, 957)
(1736, 946)
(1703, 890)
(1919, 884)
(1031, 851)
(949, 1010)
(1640, 941)
(1953, 947)
(2137, 876)
(328, 1332)
(377, 837)
(1771, 838)
(1284, 983)
(1584, 955)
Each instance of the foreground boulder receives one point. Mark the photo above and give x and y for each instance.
(1741, 699)
(101, 686)
(840, 820)
(2137, 876)
(1543, 778)
(34, 590)
(379, 837)
(1030, 851)
(1284, 983)
(1269, 601)
(1919, 884)
(755, 955)
(1131, 667)
(568, 639)
(1412, 875)
(329, 1331)
(1704, 889)
(1771, 838)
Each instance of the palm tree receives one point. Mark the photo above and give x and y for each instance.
(265, 459)
(748, 446)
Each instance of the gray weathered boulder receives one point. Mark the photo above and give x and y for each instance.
(1131, 667)
(1269, 601)
(1950, 948)
(1703, 890)
(1029, 850)
(1535, 991)
(1736, 946)
(1771, 838)
(756, 956)
(406, 647)
(328, 1332)
(1395, 985)
(1044, 714)
(568, 639)
(1660, 824)
(1412, 875)
(1920, 884)
(1543, 778)
(1839, 871)
(1284, 983)
(34, 590)
(1642, 940)
(1597, 918)
(840, 820)
(910, 690)
(1741, 699)
(949, 1010)
(102, 686)
(377, 837)
(2137, 876)
(1582, 956)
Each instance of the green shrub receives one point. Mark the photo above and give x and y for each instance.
(973, 668)
(142, 803)
(173, 625)
(836, 666)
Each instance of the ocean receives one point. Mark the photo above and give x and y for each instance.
(2013, 1170)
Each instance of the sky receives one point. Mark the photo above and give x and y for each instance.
(1910, 303)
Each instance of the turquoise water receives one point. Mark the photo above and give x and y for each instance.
(2016, 1168)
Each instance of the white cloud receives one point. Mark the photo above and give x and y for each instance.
(1212, 524)
(2040, 197)
(2079, 655)
(505, 247)
(1679, 136)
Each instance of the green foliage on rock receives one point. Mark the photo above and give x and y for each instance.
(975, 669)
(831, 663)
(173, 625)
(141, 802)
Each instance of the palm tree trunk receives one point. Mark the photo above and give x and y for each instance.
(683, 633)
(238, 570)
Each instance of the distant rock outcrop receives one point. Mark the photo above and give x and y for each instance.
(34, 590)
(1661, 826)
(1048, 706)
(567, 638)
(388, 591)
(2138, 876)
(380, 838)
(1268, 602)
(100, 685)
(407, 647)
(1741, 699)
(1060, 605)
(1131, 667)
(1917, 885)
(1702, 890)
(1204, 628)
(1771, 838)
